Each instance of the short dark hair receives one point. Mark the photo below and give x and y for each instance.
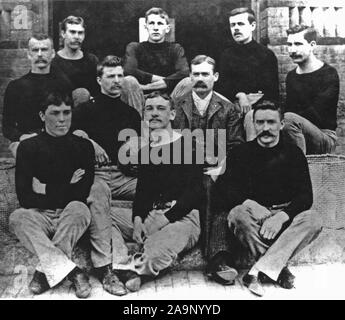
(72, 20)
(164, 95)
(251, 14)
(56, 97)
(309, 33)
(203, 58)
(159, 11)
(40, 37)
(109, 61)
(268, 105)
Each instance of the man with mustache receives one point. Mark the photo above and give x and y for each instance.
(77, 65)
(23, 96)
(312, 91)
(101, 121)
(203, 109)
(264, 197)
(156, 64)
(247, 68)
(165, 217)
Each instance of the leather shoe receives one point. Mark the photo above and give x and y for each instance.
(219, 270)
(253, 284)
(131, 280)
(39, 283)
(286, 279)
(110, 281)
(80, 281)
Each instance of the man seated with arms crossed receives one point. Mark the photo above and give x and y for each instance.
(54, 174)
(24, 96)
(267, 190)
(165, 218)
(312, 91)
(101, 121)
(157, 64)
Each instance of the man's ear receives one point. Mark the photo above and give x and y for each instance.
(313, 43)
(282, 123)
(216, 76)
(53, 53)
(253, 25)
(172, 114)
(168, 28)
(98, 80)
(42, 116)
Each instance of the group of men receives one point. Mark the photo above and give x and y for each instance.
(75, 129)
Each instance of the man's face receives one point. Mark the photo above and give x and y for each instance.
(57, 119)
(157, 28)
(299, 48)
(111, 81)
(73, 36)
(241, 29)
(40, 53)
(158, 113)
(203, 78)
(268, 124)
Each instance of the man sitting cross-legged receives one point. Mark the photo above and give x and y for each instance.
(267, 190)
(54, 174)
(165, 218)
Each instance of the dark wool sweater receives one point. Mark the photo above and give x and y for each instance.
(82, 73)
(103, 119)
(22, 101)
(314, 96)
(164, 59)
(248, 68)
(165, 182)
(53, 160)
(269, 176)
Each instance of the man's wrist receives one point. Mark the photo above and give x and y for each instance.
(138, 219)
(282, 216)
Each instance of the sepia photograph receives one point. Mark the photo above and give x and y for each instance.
(171, 155)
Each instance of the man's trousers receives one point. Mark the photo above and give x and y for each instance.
(51, 235)
(109, 183)
(272, 255)
(159, 249)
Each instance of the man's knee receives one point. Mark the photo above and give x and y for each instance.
(19, 219)
(131, 83)
(239, 216)
(291, 121)
(80, 212)
(100, 191)
(311, 221)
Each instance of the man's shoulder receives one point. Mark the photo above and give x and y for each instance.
(83, 144)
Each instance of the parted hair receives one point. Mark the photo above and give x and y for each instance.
(268, 105)
(72, 20)
(164, 95)
(159, 11)
(41, 36)
(109, 61)
(202, 58)
(309, 33)
(251, 14)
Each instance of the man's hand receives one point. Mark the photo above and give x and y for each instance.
(271, 226)
(77, 175)
(155, 221)
(81, 133)
(38, 187)
(27, 136)
(156, 78)
(243, 103)
(101, 156)
(139, 233)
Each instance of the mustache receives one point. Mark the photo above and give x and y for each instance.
(295, 56)
(265, 133)
(41, 60)
(200, 84)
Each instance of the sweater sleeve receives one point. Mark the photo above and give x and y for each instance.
(300, 184)
(11, 101)
(326, 97)
(131, 64)
(190, 197)
(235, 131)
(181, 68)
(270, 79)
(24, 175)
(66, 192)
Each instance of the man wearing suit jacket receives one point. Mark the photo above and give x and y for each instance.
(209, 116)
